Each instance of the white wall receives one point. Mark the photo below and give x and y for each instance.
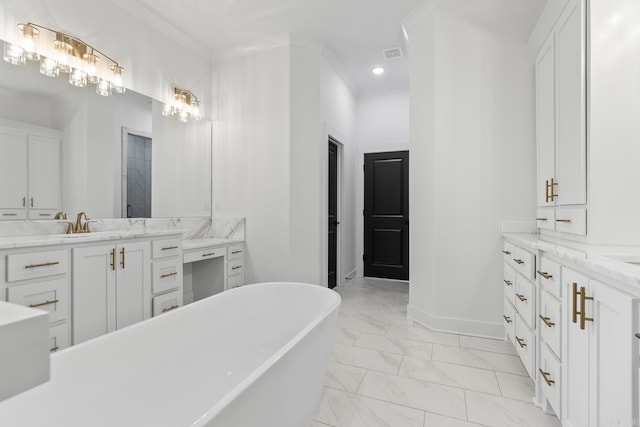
(382, 124)
(25, 108)
(472, 164)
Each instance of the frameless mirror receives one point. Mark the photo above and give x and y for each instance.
(120, 157)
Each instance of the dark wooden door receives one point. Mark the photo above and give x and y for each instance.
(386, 215)
(333, 214)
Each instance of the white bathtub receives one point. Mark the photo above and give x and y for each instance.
(250, 357)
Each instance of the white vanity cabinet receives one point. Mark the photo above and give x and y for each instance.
(111, 287)
(235, 266)
(561, 123)
(41, 278)
(31, 162)
(167, 274)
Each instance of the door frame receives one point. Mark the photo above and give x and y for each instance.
(126, 131)
(332, 135)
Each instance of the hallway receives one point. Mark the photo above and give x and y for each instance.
(386, 370)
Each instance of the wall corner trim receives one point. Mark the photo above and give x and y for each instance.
(454, 325)
(420, 12)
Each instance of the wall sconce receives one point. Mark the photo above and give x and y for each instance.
(62, 53)
(185, 106)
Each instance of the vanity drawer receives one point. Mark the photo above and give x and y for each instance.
(235, 281)
(167, 302)
(546, 218)
(42, 214)
(36, 264)
(163, 248)
(235, 267)
(524, 262)
(51, 296)
(526, 300)
(58, 337)
(571, 220)
(525, 345)
(234, 251)
(549, 276)
(167, 275)
(550, 322)
(509, 283)
(8, 214)
(550, 375)
(509, 318)
(205, 254)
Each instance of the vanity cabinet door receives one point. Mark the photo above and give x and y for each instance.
(13, 166)
(44, 172)
(133, 283)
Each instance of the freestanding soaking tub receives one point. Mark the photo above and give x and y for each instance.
(253, 356)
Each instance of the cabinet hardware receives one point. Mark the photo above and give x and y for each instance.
(563, 220)
(552, 186)
(235, 268)
(546, 377)
(236, 252)
(521, 342)
(169, 275)
(32, 202)
(209, 254)
(53, 350)
(583, 317)
(521, 297)
(45, 214)
(518, 261)
(547, 321)
(169, 248)
(545, 274)
(44, 303)
(11, 214)
(506, 252)
(574, 301)
(122, 253)
(173, 307)
(113, 259)
(637, 335)
(541, 219)
(24, 202)
(46, 264)
(508, 282)
(546, 191)
(507, 318)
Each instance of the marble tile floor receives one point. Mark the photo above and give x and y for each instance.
(388, 371)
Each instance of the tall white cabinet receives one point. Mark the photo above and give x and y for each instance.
(30, 165)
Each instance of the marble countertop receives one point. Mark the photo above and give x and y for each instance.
(16, 242)
(195, 244)
(619, 264)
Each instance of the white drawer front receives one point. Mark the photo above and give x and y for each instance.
(549, 276)
(509, 283)
(51, 296)
(509, 318)
(234, 251)
(546, 218)
(36, 264)
(163, 248)
(525, 346)
(235, 281)
(571, 220)
(524, 262)
(8, 214)
(235, 267)
(551, 322)
(550, 378)
(42, 214)
(526, 300)
(167, 302)
(508, 251)
(167, 275)
(204, 254)
(58, 337)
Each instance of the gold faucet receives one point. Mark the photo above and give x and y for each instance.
(60, 215)
(79, 227)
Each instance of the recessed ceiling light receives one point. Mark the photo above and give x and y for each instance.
(378, 70)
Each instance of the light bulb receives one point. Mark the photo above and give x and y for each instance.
(13, 54)
(117, 82)
(78, 78)
(183, 116)
(49, 67)
(104, 88)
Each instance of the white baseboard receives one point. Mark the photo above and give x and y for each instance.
(456, 326)
(351, 275)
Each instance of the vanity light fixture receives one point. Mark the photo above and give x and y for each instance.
(185, 106)
(62, 53)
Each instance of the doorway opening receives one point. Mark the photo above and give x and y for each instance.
(136, 174)
(333, 214)
(386, 215)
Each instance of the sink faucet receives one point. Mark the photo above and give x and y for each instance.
(79, 227)
(60, 215)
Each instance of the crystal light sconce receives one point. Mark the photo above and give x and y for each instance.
(62, 53)
(185, 106)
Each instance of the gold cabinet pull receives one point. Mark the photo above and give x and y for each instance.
(45, 264)
(507, 318)
(32, 202)
(521, 342)
(235, 268)
(553, 186)
(542, 219)
(546, 191)
(169, 275)
(574, 301)
(53, 350)
(508, 282)
(521, 297)
(546, 376)
(583, 317)
(113, 259)
(563, 220)
(506, 252)
(24, 202)
(547, 321)
(44, 303)
(9, 214)
(209, 254)
(169, 248)
(545, 274)
(122, 260)
(236, 252)
(518, 261)
(173, 307)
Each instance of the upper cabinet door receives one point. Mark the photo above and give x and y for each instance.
(13, 169)
(571, 154)
(545, 120)
(44, 172)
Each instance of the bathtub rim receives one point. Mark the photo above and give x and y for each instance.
(257, 373)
